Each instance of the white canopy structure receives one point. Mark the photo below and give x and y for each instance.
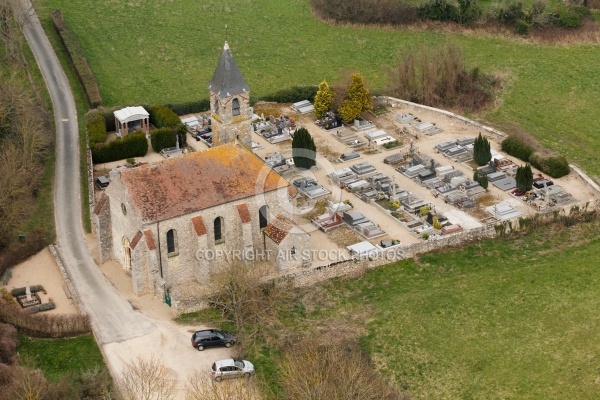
(127, 118)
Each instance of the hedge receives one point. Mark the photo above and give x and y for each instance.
(289, 95)
(75, 54)
(555, 166)
(516, 147)
(23, 290)
(191, 107)
(162, 138)
(45, 326)
(162, 117)
(96, 127)
(133, 145)
(17, 252)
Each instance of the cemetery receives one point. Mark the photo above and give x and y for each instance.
(431, 168)
(275, 130)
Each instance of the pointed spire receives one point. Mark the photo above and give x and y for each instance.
(227, 79)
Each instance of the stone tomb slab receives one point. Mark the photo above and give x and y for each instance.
(505, 184)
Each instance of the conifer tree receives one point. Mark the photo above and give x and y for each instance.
(304, 150)
(524, 178)
(357, 99)
(482, 153)
(323, 99)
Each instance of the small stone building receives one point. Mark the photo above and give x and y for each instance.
(130, 119)
(169, 223)
(231, 114)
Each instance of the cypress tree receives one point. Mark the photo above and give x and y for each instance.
(482, 153)
(304, 150)
(524, 178)
(323, 99)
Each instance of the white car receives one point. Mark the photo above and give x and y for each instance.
(231, 368)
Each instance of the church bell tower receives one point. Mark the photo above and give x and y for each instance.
(230, 102)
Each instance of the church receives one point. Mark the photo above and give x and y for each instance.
(170, 223)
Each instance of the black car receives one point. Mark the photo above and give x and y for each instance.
(202, 132)
(212, 338)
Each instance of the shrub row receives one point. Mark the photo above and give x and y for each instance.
(162, 138)
(163, 117)
(41, 307)
(401, 12)
(8, 344)
(45, 326)
(75, 53)
(190, 107)
(96, 127)
(133, 145)
(555, 166)
(384, 12)
(550, 164)
(17, 252)
(463, 11)
(23, 290)
(516, 147)
(289, 95)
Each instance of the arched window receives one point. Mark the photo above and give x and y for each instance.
(218, 228)
(263, 219)
(126, 254)
(235, 107)
(172, 241)
(217, 106)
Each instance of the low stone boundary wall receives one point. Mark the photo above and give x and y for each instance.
(465, 120)
(65, 275)
(352, 267)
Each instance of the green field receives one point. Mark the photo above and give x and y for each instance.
(165, 51)
(510, 319)
(60, 357)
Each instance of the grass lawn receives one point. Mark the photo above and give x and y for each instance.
(58, 357)
(507, 319)
(160, 51)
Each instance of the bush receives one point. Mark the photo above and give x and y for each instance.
(133, 145)
(521, 27)
(516, 146)
(289, 95)
(96, 127)
(555, 166)
(570, 17)
(17, 252)
(438, 10)
(8, 344)
(163, 117)
(508, 12)
(75, 54)
(162, 138)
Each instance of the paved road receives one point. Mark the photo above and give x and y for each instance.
(113, 318)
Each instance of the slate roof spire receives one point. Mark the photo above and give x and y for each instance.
(227, 80)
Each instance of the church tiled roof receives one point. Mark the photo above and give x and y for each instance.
(227, 79)
(198, 181)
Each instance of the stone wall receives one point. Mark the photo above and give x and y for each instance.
(419, 107)
(310, 276)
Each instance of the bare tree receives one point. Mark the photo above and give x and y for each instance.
(26, 384)
(239, 389)
(332, 372)
(13, 16)
(248, 294)
(146, 379)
